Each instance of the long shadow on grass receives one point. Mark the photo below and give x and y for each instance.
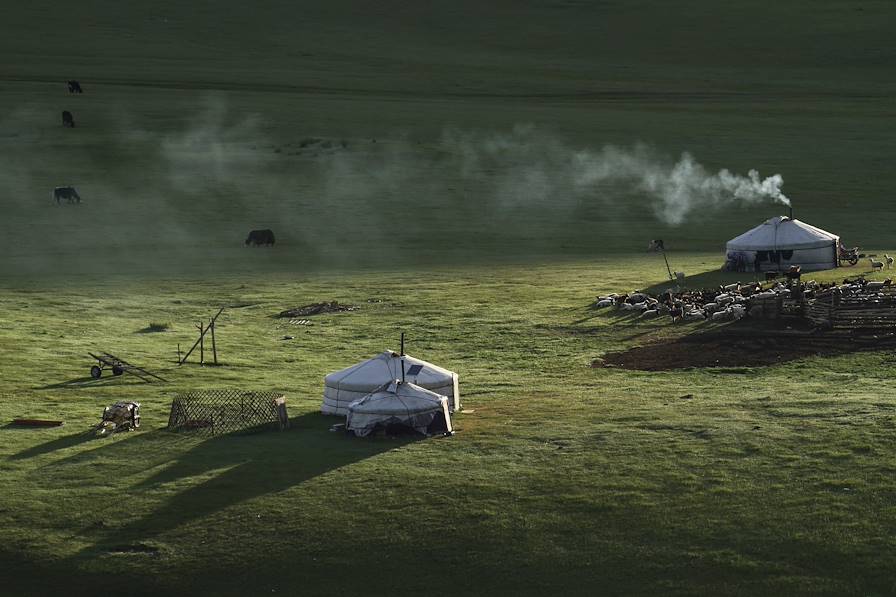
(619, 320)
(89, 382)
(60, 443)
(226, 470)
(708, 279)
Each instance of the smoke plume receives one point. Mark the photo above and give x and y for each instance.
(526, 166)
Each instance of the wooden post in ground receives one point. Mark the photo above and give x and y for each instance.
(202, 331)
(201, 344)
(214, 348)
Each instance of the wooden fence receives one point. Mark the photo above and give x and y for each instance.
(775, 307)
(868, 310)
(873, 309)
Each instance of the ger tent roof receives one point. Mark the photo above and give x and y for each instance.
(782, 233)
(399, 403)
(343, 387)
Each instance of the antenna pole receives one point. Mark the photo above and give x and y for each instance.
(402, 345)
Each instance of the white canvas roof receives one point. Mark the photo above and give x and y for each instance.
(343, 387)
(782, 233)
(397, 403)
(386, 367)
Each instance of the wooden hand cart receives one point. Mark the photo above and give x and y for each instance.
(118, 366)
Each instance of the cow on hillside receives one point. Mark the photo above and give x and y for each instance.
(74, 87)
(260, 237)
(67, 119)
(68, 193)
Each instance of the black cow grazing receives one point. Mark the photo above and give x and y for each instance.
(74, 87)
(260, 237)
(67, 119)
(68, 193)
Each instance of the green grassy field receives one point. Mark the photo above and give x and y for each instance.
(344, 128)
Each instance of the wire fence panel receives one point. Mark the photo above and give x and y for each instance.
(225, 411)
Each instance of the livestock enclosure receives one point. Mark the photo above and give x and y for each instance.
(859, 307)
(867, 310)
(224, 411)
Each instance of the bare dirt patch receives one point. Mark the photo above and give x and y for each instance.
(745, 345)
(316, 309)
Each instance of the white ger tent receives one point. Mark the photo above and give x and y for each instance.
(399, 404)
(780, 242)
(341, 388)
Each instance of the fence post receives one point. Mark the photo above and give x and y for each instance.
(201, 344)
(214, 348)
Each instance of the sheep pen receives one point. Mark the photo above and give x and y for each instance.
(760, 327)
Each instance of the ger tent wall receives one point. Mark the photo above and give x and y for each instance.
(343, 387)
(780, 242)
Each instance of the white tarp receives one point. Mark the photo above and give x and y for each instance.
(341, 388)
(397, 403)
(780, 242)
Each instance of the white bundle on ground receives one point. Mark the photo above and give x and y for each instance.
(121, 416)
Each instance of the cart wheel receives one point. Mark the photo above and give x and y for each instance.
(116, 370)
(95, 372)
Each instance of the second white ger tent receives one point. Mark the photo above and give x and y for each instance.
(781, 242)
(341, 388)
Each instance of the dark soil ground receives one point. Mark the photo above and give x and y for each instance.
(745, 344)
(316, 309)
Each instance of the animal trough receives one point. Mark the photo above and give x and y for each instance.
(223, 411)
(118, 367)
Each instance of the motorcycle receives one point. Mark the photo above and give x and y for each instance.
(850, 256)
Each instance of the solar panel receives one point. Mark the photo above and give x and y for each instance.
(415, 369)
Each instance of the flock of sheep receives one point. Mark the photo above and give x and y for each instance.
(859, 286)
(734, 301)
(727, 303)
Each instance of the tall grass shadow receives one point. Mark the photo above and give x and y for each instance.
(60, 443)
(234, 468)
(90, 382)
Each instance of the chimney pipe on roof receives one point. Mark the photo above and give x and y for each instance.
(791, 212)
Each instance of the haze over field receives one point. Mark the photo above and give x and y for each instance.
(490, 145)
(202, 186)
